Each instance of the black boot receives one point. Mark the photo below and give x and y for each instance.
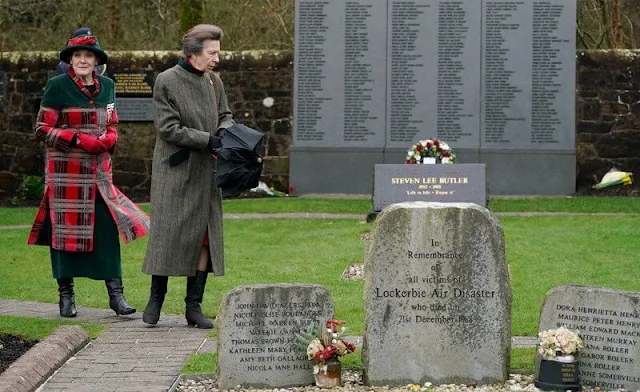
(117, 303)
(67, 297)
(195, 291)
(151, 314)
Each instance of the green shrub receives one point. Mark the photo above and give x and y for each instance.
(31, 190)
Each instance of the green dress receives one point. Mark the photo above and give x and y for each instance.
(103, 262)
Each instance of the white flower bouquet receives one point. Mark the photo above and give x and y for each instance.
(430, 151)
(559, 342)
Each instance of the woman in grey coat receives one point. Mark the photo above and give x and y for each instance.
(191, 112)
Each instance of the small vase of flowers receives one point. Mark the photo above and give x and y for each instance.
(325, 345)
(559, 366)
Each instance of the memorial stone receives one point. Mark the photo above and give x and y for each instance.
(609, 323)
(256, 334)
(439, 183)
(437, 296)
(134, 83)
(134, 91)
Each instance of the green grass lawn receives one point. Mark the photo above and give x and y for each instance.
(38, 329)
(542, 252)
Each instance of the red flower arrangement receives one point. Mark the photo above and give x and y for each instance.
(323, 344)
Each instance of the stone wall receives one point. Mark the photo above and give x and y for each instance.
(608, 118)
(607, 113)
(249, 78)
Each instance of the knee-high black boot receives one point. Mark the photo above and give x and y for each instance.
(117, 302)
(151, 314)
(67, 297)
(195, 291)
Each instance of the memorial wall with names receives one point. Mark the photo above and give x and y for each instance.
(481, 74)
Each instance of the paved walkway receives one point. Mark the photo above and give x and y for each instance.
(129, 355)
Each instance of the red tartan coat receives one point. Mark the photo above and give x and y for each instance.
(72, 175)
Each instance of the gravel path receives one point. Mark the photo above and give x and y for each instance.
(352, 381)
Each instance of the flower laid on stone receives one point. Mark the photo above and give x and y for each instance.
(323, 343)
(430, 151)
(559, 342)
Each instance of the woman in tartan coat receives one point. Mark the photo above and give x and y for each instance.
(82, 213)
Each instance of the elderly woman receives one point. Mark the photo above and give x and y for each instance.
(82, 212)
(190, 108)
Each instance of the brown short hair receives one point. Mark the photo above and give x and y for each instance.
(193, 40)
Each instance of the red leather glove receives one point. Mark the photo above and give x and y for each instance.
(110, 139)
(91, 144)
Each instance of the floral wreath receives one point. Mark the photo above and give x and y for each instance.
(431, 149)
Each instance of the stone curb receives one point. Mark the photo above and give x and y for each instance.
(33, 368)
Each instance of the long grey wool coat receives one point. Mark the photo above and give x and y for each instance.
(186, 202)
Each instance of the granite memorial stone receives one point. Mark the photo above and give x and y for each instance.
(256, 334)
(439, 183)
(609, 323)
(437, 296)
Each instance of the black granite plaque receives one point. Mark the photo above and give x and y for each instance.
(135, 109)
(134, 83)
(437, 183)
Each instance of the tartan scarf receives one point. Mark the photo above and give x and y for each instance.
(76, 79)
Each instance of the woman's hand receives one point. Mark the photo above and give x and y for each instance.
(109, 140)
(215, 143)
(91, 144)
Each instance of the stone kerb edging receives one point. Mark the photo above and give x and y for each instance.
(42, 360)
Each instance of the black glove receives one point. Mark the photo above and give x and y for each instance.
(214, 144)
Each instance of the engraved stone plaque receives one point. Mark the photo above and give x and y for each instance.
(435, 183)
(134, 109)
(609, 323)
(256, 340)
